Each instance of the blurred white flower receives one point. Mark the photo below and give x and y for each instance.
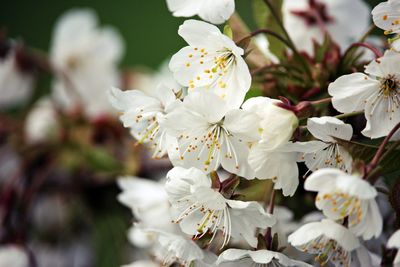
(262, 43)
(377, 94)
(285, 224)
(326, 153)
(12, 255)
(86, 58)
(211, 62)
(248, 258)
(308, 20)
(216, 12)
(41, 122)
(331, 242)
(211, 134)
(144, 115)
(341, 195)
(201, 209)
(148, 201)
(394, 242)
(16, 85)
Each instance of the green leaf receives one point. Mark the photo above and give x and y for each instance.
(265, 20)
(100, 159)
(389, 162)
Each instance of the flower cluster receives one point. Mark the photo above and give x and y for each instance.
(272, 147)
(217, 136)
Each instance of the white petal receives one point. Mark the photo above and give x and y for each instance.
(217, 12)
(382, 113)
(196, 32)
(277, 165)
(387, 65)
(321, 180)
(246, 217)
(386, 16)
(350, 92)
(184, 8)
(394, 242)
(324, 128)
(328, 228)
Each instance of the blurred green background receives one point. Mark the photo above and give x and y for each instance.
(149, 30)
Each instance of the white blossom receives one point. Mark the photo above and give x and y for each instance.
(41, 122)
(144, 115)
(12, 255)
(211, 62)
(276, 124)
(148, 201)
(248, 258)
(345, 21)
(386, 15)
(377, 94)
(216, 12)
(341, 196)
(142, 263)
(326, 152)
(273, 157)
(86, 57)
(16, 85)
(394, 242)
(331, 242)
(211, 134)
(202, 209)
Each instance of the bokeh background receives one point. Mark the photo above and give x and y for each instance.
(150, 35)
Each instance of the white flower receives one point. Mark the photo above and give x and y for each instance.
(248, 258)
(377, 94)
(277, 162)
(148, 201)
(341, 195)
(386, 15)
(346, 21)
(41, 122)
(216, 12)
(178, 249)
(211, 134)
(202, 209)
(327, 152)
(211, 62)
(144, 115)
(276, 124)
(15, 84)
(86, 58)
(394, 242)
(12, 255)
(273, 156)
(331, 242)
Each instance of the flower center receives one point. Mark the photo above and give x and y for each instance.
(317, 14)
(344, 205)
(389, 85)
(327, 250)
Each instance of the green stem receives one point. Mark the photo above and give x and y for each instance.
(351, 114)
